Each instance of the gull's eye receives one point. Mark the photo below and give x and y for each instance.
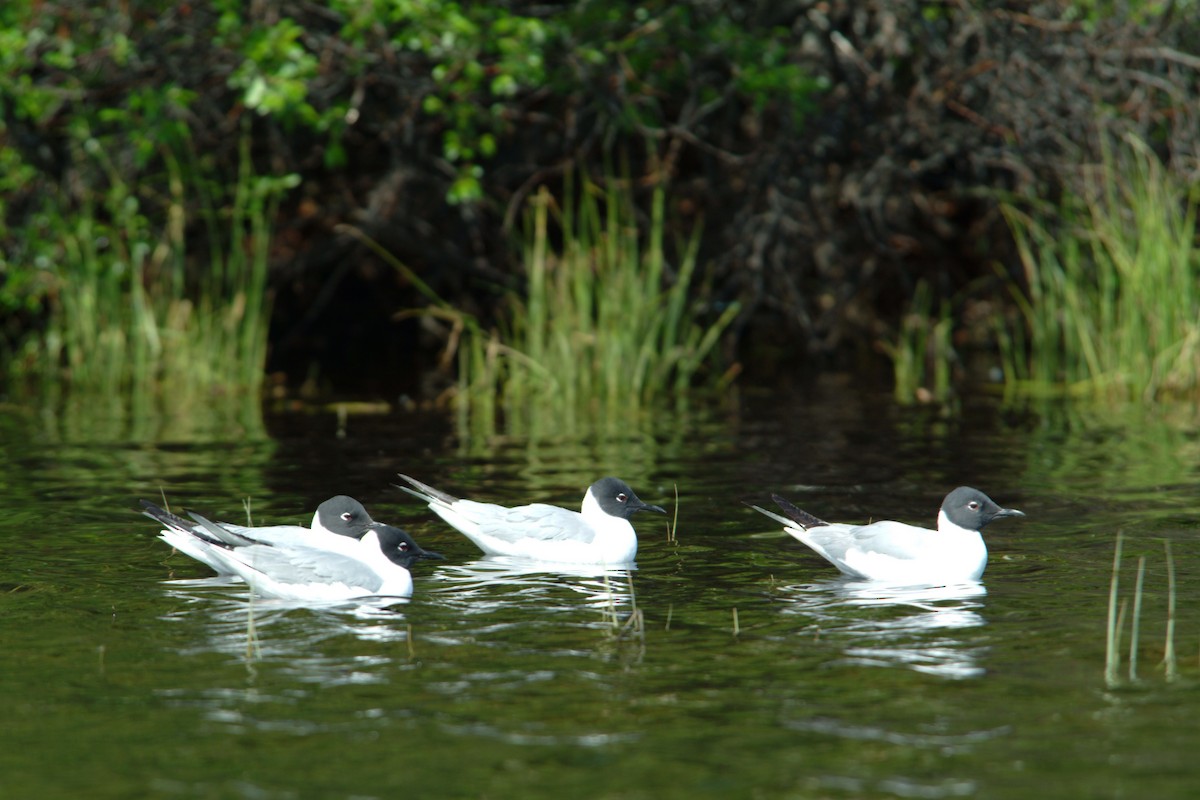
(347, 516)
(403, 547)
(973, 505)
(622, 497)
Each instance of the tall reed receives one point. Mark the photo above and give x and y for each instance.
(128, 316)
(606, 327)
(1116, 621)
(922, 352)
(1111, 276)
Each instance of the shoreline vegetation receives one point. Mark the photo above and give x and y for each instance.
(606, 328)
(128, 318)
(1109, 302)
(172, 236)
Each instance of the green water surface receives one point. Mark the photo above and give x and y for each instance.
(730, 663)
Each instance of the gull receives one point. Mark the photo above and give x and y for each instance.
(295, 563)
(899, 553)
(599, 533)
(339, 515)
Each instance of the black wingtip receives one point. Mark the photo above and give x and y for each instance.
(164, 517)
(424, 491)
(218, 534)
(798, 515)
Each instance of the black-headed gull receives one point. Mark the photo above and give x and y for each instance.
(599, 533)
(899, 553)
(295, 563)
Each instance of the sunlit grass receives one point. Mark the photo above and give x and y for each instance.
(606, 328)
(129, 315)
(1108, 304)
(1110, 308)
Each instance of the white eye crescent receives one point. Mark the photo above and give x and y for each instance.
(973, 505)
(622, 497)
(346, 515)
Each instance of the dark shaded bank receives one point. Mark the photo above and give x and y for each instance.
(837, 153)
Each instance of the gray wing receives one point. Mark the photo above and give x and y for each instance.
(895, 539)
(241, 536)
(538, 521)
(301, 565)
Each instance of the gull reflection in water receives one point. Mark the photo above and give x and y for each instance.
(542, 607)
(239, 623)
(886, 625)
(494, 582)
(296, 643)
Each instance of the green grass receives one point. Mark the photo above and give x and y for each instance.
(1110, 304)
(129, 314)
(1117, 611)
(606, 327)
(922, 352)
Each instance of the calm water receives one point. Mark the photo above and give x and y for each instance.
(730, 663)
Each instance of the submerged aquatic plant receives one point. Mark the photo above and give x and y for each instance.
(1112, 286)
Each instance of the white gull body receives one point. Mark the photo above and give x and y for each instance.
(898, 553)
(340, 515)
(599, 533)
(294, 563)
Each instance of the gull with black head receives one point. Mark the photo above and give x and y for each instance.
(599, 533)
(898, 553)
(295, 563)
(340, 515)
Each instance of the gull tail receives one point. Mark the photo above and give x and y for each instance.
(219, 534)
(798, 516)
(164, 517)
(426, 492)
(208, 533)
(782, 520)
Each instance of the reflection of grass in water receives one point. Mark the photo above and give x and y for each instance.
(74, 416)
(1135, 446)
(633, 627)
(105, 458)
(1116, 620)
